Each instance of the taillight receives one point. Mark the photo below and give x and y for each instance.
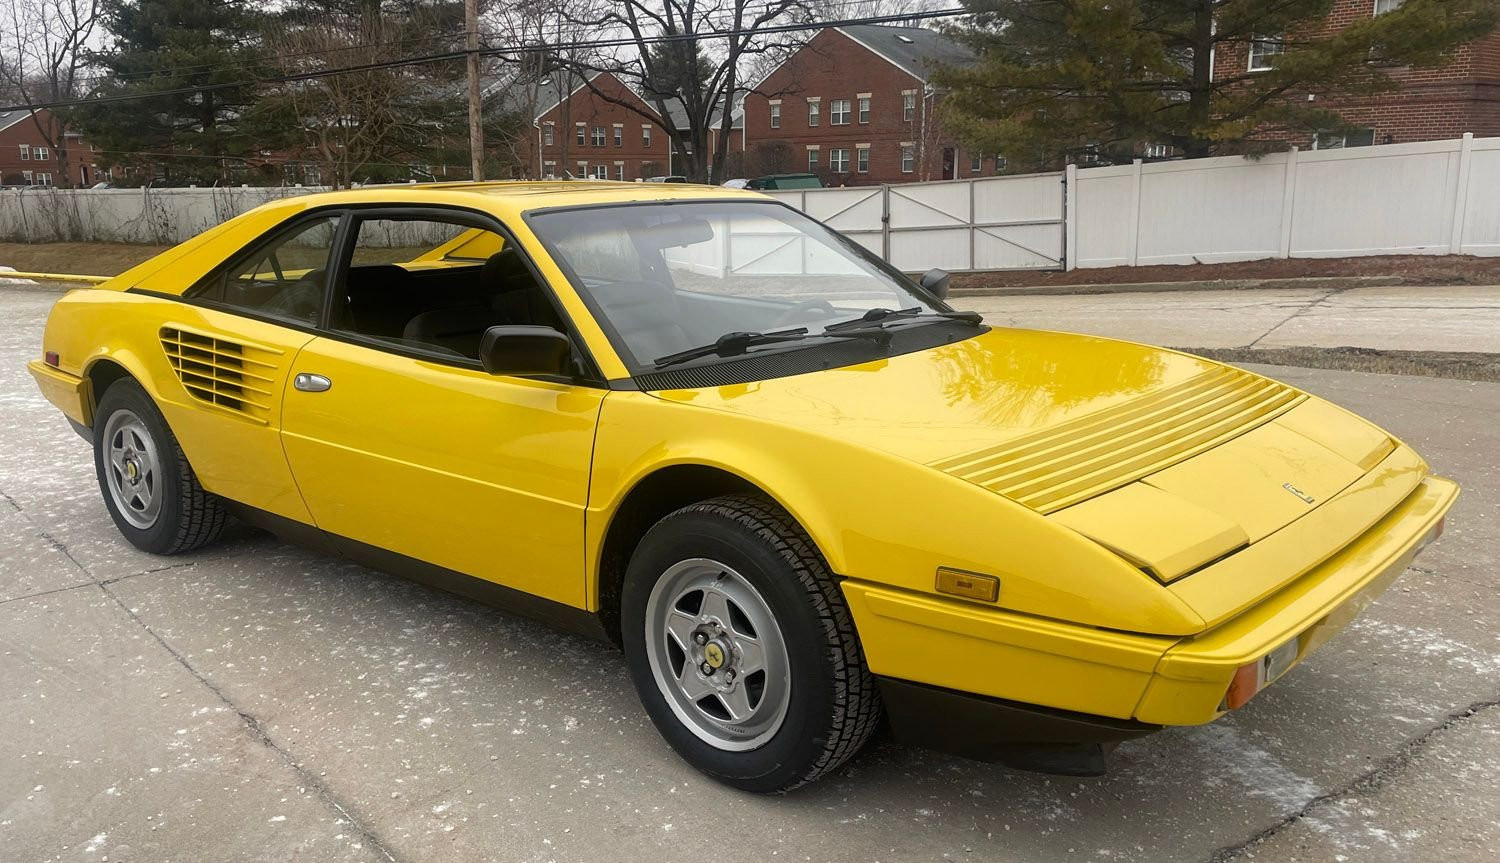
(51, 358)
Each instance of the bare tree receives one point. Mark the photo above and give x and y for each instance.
(44, 59)
(544, 49)
(685, 59)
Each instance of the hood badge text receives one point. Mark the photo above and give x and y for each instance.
(1304, 496)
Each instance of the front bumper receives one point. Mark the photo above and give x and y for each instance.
(1156, 680)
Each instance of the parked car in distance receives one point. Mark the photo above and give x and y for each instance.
(786, 181)
(799, 489)
(671, 179)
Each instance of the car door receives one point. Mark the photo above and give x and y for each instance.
(230, 348)
(410, 446)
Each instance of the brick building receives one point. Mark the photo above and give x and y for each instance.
(855, 105)
(1431, 104)
(27, 157)
(582, 133)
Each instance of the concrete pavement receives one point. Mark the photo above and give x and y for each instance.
(256, 701)
(1458, 318)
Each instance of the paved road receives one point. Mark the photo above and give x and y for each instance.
(259, 702)
(1462, 318)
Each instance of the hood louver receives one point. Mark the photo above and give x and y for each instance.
(1072, 462)
(231, 376)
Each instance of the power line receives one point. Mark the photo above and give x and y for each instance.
(495, 52)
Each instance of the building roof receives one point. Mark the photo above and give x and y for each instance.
(915, 50)
(10, 118)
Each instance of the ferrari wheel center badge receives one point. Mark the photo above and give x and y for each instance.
(713, 654)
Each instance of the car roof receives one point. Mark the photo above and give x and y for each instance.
(519, 195)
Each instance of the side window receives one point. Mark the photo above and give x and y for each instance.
(435, 285)
(283, 278)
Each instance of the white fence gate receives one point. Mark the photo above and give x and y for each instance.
(995, 223)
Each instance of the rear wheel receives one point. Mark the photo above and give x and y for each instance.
(741, 647)
(149, 488)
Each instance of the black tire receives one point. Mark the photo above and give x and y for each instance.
(189, 517)
(834, 705)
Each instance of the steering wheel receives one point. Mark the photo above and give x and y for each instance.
(802, 309)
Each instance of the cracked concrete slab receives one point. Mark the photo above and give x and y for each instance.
(1458, 318)
(112, 750)
(450, 731)
(1439, 807)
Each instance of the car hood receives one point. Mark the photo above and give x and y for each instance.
(1109, 438)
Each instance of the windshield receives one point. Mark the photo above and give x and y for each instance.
(668, 278)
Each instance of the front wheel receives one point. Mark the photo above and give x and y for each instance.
(148, 485)
(741, 647)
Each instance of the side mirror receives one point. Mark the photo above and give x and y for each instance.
(525, 350)
(936, 283)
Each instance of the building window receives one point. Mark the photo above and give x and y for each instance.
(44, 179)
(598, 136)
(864, 109)
(862, 160)
(908, 105)
(26, 175)
(549, 170)
(999, 165)
(976, 163)
(620, 171)
(547, 135)
(583, 170)
(645, 135)
(1262, 50)
(26, 152)
(1384, 6)
(812, 160)
(41, 154)
(582, 135)
(619, 135)
(776, 115)
(601, 172)
(814, 111)
(838, 161)
(908, 158)
(1341, 140)
(838, 112)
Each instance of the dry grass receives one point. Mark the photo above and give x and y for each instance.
(84, 259)
(1431, 364)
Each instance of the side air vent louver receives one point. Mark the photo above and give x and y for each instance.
(231, 376)
(1070, 463)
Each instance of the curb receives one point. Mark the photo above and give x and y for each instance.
(1317, 283)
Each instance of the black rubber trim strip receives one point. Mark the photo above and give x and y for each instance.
(1025, 736)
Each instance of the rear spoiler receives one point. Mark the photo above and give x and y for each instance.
(55, 277)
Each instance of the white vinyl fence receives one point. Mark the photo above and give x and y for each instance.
(1435, 197)
(1430, 198)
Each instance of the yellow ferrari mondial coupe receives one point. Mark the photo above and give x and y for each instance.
(797, 488)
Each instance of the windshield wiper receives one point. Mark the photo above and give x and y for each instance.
(874, 319)
(738, 343)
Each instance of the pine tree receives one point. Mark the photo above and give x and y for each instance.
(198, 52)
(1058, 78)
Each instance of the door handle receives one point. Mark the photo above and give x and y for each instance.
(310, 383)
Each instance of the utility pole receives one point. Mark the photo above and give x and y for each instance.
(476, 123)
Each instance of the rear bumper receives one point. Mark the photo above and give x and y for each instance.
(69, 393)
(984, 651)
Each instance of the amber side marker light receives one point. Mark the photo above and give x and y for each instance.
(969, 585)
(51, 358)
(1252, 677)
